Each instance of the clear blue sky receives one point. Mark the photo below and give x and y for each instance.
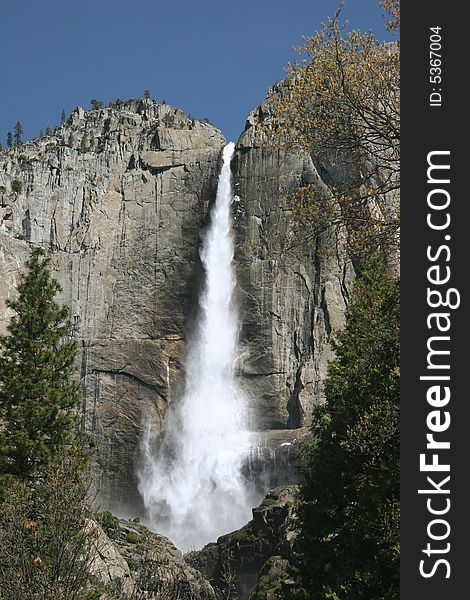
(212, 59)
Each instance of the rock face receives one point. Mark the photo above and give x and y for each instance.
(291, 301)
(131, 562)
(274, 458)
(119, 196)
(254, 561)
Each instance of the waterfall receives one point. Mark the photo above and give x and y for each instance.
(192, 483)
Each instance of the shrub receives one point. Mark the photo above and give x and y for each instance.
(96, 104)
(16, 186)
(132, 538)
(46, 544)
(107, 520)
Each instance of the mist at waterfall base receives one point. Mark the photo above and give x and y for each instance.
(192, 482)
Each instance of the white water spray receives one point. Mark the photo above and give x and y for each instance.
(192, 485)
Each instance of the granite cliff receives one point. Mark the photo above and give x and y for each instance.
(291, 301)
(119, 196)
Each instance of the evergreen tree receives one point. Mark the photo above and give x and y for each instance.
(168, 120)
(70, 140)
(16, 186)
(62, 117)
(147, 94)
(349, 499)
(1, 147)
(18, 135)
(38, 395)
(41, 134)
(48, 130)
(9, 139)
(96, 104)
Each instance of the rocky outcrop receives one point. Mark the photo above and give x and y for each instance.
(254, 561)
(119, 196)
(132, 562)
(274, 458)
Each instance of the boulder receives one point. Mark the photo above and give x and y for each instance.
(132, 560)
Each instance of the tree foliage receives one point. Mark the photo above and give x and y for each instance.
(18, 135)
(38, 393)
(96, 104)
(341, 103)
(392, 7)
(47, 544)
(349, 500)
(46, 541)
(17, 186)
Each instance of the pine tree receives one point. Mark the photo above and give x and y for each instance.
(147, 94)
(18, 135)
(62, 117)
(9, 139)
(1, 147)
(349, 500)
(38, 396)
(48, 130)
(96, 104)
